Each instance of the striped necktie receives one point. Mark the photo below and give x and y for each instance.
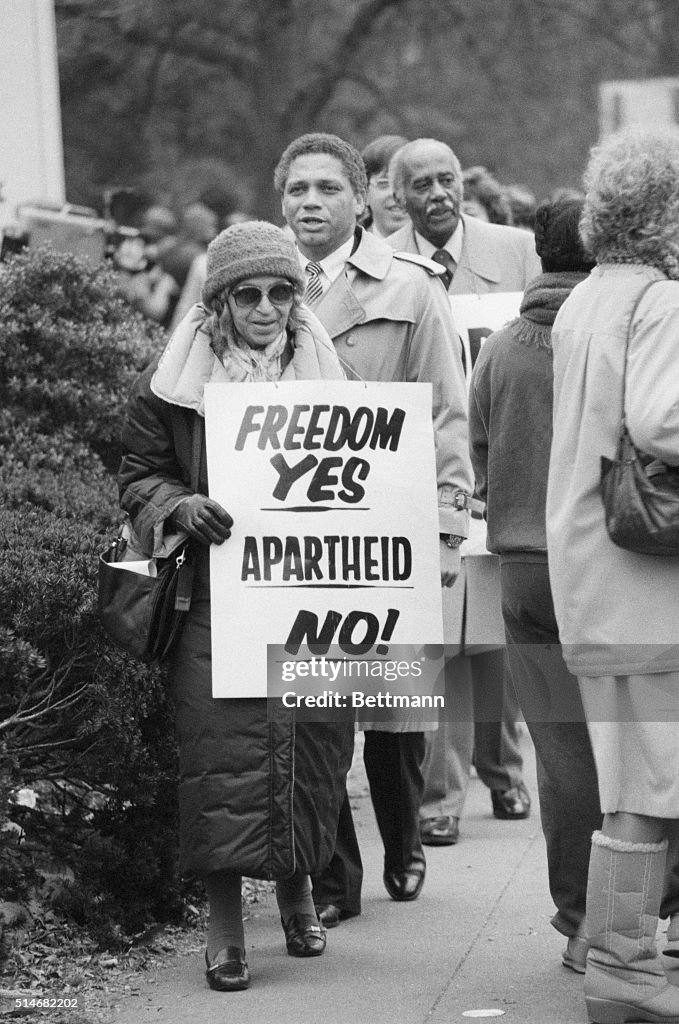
(443, 257)
(314, 288)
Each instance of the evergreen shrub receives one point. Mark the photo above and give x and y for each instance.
(87, 754)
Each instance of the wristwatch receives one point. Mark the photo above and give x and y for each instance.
(453, 540)
(462, 501)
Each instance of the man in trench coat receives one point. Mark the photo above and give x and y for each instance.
(389, 319)
(478, 258)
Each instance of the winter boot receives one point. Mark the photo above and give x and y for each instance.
(669, 907)
(672, 937)
(625, 980)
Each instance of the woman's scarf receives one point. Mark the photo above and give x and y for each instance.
(541, 301)
(243, 363)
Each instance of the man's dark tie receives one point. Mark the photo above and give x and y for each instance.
(314, 287)
(443, 257)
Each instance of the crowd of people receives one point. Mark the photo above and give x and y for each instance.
(582, 637)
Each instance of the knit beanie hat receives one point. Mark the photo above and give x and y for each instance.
(246, 249)
(557, 234)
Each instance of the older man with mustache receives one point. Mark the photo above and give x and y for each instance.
(478, 258)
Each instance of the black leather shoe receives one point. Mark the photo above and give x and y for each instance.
(304, 936)
(404, 885)
(330, 916)
(442, 831)
(229, 972)
(511, 804)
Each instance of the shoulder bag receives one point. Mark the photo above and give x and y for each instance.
(640, 493)
(143, 602)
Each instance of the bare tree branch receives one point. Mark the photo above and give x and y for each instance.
(88, 8)
(384, 100)
(38, 708)
(224, 53)
(314, 96)
(605, 20)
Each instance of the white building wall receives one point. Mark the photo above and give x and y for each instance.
(31, 148)
(646, 103)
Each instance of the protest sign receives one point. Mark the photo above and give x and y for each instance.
(477, 316)
(332, 488)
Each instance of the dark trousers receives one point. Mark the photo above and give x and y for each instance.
(340, 882)
(550, 700)
(393, 763)
(480, 725)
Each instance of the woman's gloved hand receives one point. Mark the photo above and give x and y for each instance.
(203, 519)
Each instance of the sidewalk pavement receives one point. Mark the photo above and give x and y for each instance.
(476, 944)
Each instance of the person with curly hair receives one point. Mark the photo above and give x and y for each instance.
(618, 611)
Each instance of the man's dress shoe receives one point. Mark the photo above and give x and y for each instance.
(442, 831)
(330, 916)
(511, 804)
(574, 955)
(404, 885)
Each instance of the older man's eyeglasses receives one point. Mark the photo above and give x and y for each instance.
(249, 295)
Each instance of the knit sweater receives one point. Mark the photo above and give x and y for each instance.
(510, 421)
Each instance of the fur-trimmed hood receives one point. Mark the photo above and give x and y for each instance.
(188, 362)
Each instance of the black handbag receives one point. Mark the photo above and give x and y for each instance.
(640, 493)
(143, 613)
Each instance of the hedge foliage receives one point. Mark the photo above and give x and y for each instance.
(86, 734)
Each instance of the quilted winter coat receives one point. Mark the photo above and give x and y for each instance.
(259, 793)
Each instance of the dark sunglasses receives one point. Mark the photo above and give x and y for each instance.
(250, 295)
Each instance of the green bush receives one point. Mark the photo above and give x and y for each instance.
(84, 728)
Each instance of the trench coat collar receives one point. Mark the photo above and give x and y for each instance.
(480, 257)
(372, 256)
(340, 309)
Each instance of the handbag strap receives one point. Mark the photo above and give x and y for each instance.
(636, 305)
(182, 601)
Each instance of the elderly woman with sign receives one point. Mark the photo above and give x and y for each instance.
(259, 795)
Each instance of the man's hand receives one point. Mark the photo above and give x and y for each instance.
(203, 519)
(450, 564)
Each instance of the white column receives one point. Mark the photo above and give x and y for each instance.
(31, 148)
